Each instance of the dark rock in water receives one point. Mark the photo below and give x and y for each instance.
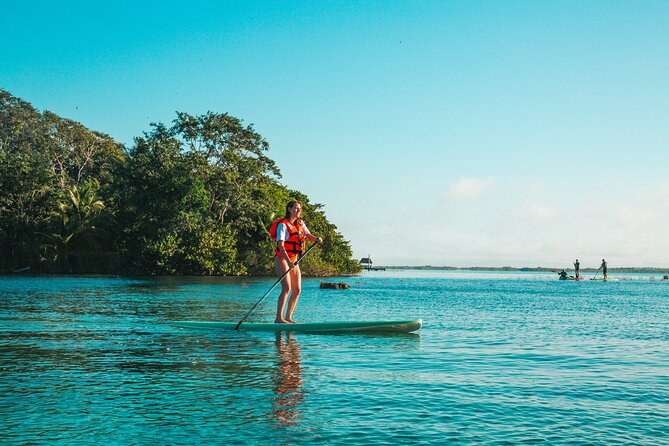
(336, 286)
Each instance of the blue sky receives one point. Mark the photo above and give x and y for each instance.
(519, 133)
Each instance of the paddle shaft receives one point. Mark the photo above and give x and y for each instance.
(597, 272)
(273, 286)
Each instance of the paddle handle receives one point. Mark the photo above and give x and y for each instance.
(273, 286)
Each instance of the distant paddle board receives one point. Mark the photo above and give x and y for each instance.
(311, 327)
(605, 280)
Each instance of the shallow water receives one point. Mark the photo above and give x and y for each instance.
(502, 359)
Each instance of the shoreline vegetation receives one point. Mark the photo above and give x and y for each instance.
(194, 198)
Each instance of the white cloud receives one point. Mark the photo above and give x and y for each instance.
(468, 189)
(543, 211)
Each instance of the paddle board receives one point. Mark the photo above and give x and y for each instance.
(310, 327)
(605, 280)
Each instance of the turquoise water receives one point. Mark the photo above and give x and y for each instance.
(503, 358)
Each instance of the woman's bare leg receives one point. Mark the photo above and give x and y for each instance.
(296, 289)
(281, 267)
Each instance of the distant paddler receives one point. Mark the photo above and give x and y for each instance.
(290, 233)
(604, 268)
(577, 269)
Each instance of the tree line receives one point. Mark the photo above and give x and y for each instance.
(196, 197)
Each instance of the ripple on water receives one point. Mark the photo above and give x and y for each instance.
(522, 361)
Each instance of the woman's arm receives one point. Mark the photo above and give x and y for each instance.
(312, 238)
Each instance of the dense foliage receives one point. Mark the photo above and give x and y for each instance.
(193, 198)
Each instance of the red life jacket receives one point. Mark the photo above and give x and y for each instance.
(295, 243)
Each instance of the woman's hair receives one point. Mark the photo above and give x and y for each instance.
(290, 205)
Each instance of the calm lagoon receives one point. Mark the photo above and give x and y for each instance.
(503, 358)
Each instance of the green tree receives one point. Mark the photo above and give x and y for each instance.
(237, 176)
(194, 246)
(167, 224)
(74, 222)
(41, 157)
(78, 153)
(197, 197)
(27, 185)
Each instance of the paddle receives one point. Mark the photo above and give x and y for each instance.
(597, 272)
(273, 286)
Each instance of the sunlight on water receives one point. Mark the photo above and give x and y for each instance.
(501, 359)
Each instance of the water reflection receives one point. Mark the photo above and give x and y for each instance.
(286, 406)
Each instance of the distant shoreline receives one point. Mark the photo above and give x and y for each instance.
(26, 272)
(626, 269)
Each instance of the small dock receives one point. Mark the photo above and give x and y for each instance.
(366, 263)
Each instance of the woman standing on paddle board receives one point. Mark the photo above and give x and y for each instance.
(290, 235)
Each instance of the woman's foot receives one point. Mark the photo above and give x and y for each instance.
(290, 321)
(278, 320)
